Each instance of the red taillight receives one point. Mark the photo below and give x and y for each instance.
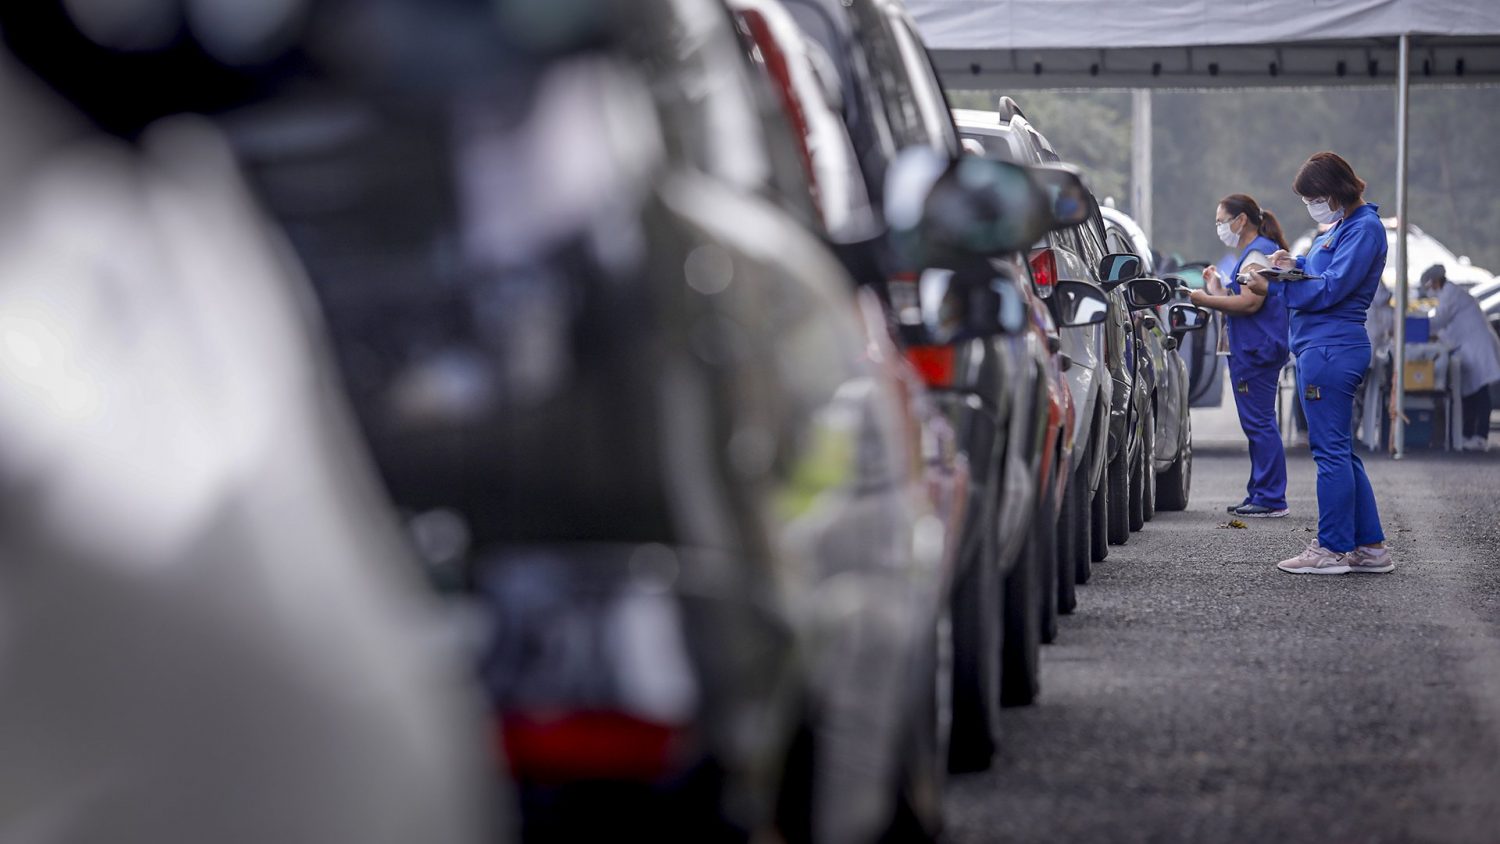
(933, 363)
(587, 746)
(1044, 267)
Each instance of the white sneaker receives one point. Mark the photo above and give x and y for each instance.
(1367, 559)
(1315, 560)
(1477, 444)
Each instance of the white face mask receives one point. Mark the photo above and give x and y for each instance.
(1227, 235)
(1322, 214)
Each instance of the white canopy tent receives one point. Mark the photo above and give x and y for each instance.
(1008, 45)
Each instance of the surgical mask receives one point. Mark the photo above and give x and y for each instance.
(1322, 214)
(1227, 235)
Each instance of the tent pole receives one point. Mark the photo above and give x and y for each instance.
(1403, 86)
(1140, 158)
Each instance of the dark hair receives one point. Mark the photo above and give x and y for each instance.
(1236, 204)
(1327, 175)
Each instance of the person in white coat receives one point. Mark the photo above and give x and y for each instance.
(1461, 324)
(1380, 325)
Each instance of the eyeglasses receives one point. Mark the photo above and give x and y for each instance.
(1306, 201)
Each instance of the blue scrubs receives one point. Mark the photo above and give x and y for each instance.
(1327, 332)
(1257, 353)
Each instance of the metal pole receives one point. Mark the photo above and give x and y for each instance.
(1140, 158)
(1403, 86)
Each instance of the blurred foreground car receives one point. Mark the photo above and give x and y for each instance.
(213, 630)
(638, 415)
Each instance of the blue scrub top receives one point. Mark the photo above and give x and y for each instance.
(1258, 339)
(1330, 311)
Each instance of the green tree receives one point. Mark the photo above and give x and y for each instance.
(1211, 143)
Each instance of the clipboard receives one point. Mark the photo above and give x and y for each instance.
(1285, 275)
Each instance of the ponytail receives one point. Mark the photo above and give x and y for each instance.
(1270, 228)
(1236, 204)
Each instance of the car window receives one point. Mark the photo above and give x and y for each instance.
(708, 108)
(800, 75)
(862, 110)
(894, 86)
(930, 97)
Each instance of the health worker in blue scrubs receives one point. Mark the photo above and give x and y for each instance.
(1326, 322)
(1257, 328)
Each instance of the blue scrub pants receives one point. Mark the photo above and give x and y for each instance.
(1255, 399)
(1327, 379)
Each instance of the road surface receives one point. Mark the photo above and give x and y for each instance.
(1198, 694)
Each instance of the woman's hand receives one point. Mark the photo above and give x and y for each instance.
(1283, 260)
(1212, 281)
(1257, 284)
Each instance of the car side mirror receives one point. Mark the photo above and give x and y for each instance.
(1143, 293)
(1076, 303)
(971, 206)
(1066, 192)
(941, 307)
(1183, 318)
(1118, 268)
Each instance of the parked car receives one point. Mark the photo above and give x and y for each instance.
(989, 380)
(213, 628)
(1114, 463)
(1168, 481)
(1199, 348)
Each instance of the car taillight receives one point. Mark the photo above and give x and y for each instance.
(933, 363)
(569, 747)
(1044, 267)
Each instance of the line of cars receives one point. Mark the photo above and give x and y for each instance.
(753, 434)
(760, 432)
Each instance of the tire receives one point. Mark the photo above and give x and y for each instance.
(1175, 484)
(1119, 498)
(1099, 523)
(1083, 530)
(1137, 493)
(1046, 525)
(977, 614)
(1148, 474)
(1020, 647)
(1067, 544)
(918, 801)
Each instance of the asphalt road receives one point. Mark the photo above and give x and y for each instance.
(1198, 694)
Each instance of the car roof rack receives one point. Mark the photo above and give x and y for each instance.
(1008, 108)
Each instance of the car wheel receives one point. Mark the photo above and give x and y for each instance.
(1118, 507)
(1099, 523)
(1174, 485)
(1083, 512)
(918, 803)
(1019, 649)
(1148, 473)
(977, 614)
(1137, 493)
(1046, 525)
(1067, 543)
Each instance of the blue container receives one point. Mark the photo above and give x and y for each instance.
(1418, 329)
(1424, 429)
